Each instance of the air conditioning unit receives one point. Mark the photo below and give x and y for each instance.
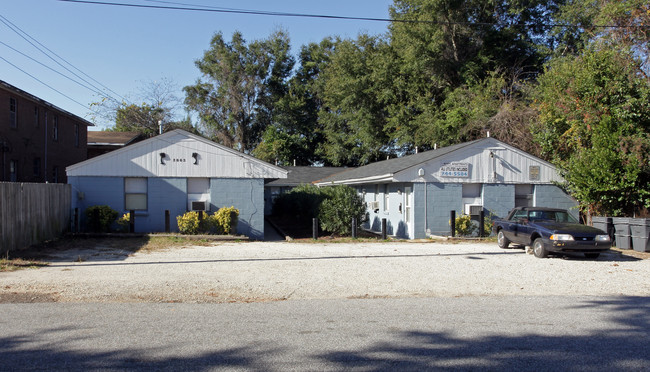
(473, 209)
(199, 206)
(373, 205)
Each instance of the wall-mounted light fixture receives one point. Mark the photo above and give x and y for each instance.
(196, 157)
(162, 158)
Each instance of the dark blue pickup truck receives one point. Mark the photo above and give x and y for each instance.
(548, 230)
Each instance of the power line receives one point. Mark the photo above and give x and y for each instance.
(50, 68)
(203, 8)
(25, 36)
(40, 81)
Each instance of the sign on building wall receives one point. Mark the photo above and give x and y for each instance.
(454, 169)
(533, 173)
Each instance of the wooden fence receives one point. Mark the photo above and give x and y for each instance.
(31, 213)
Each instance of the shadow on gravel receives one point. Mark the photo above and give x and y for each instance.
(472, 255)
(622, 348)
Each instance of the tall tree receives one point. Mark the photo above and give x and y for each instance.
(240, 84)
(447, 47)
(353, 114)
(594, 123)
(295, 133)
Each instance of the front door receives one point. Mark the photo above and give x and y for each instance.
(408, 211)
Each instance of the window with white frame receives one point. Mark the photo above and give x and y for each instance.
(135, 194)
(198, 194)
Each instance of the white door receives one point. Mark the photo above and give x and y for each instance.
(408, 211)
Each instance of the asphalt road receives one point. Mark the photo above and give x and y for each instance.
(468, 333)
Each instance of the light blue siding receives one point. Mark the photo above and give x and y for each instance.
(498, 199)
(443, 198)
(247, 195)
(553, 197)
(90, 191)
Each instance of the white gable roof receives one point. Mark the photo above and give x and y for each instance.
(176, 154)
(486, 160)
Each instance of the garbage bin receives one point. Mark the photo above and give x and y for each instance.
(640, 232)
(604, 223)
(622, 232)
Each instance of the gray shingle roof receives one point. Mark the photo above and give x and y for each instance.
(392, 166)
(305, 175)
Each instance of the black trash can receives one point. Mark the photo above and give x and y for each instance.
(604, 223)
(640, 232)
(622, 232)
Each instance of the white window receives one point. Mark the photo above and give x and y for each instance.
(198, 194)
(135, 194)
(407, 204)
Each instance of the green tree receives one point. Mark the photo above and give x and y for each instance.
(295, 133)
(445, 49)
(353, 113)
(241, 82)
(594, 121)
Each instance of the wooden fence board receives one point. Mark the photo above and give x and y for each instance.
(32, 213)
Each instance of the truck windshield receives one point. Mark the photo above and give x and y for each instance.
(557, 216)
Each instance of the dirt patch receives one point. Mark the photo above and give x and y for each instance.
(27, 297)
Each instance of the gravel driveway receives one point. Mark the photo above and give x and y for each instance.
(263, 271)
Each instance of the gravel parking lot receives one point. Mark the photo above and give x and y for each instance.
(263, 271)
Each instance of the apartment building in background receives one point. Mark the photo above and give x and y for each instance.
(38, 140)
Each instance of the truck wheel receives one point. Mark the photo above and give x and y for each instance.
(502, 241)
(538, 249)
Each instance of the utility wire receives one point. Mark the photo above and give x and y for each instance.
(202, 8)
(49, 86)
(25, 36)
(50, 68)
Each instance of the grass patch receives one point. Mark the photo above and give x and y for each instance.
(13, 264)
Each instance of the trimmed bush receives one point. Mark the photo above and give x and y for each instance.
(221, 222)
(465, 226)
(100, 218)
(225, 220)
(188, 223)
(340, 205)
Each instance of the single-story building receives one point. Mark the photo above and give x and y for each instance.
(297, 176)
(416, 193)
(177, 172)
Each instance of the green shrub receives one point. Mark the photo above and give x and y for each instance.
(100, 218)
(188, 223)
(220, 222)
(339, 205)
(225, 220)
(464, 225)
(124, 222)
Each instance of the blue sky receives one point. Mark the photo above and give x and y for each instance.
(123, 48)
